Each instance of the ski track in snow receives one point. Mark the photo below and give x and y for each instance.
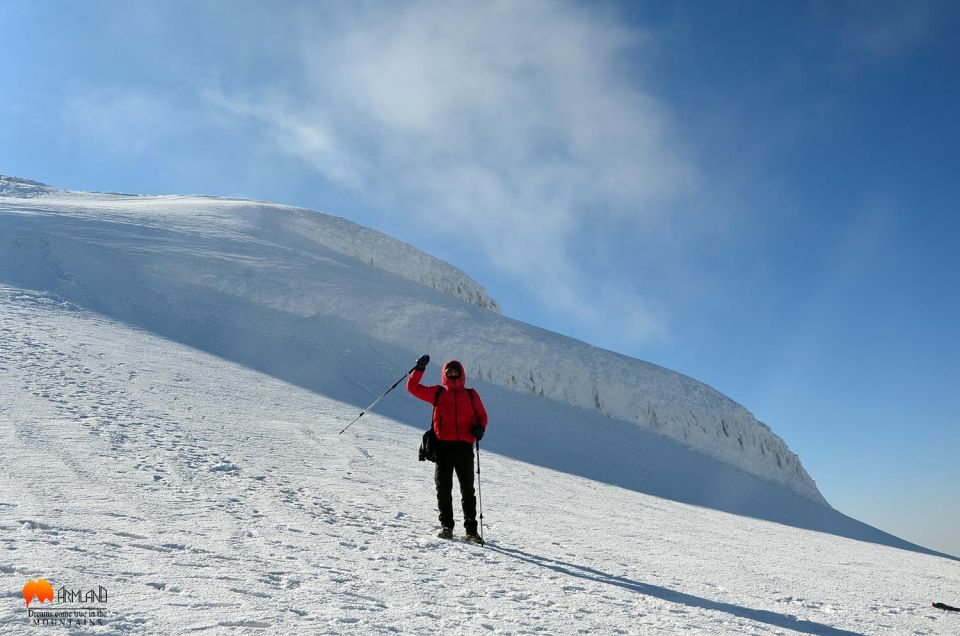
(209, 498)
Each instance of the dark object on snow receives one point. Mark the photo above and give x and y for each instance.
(944, 606)
(445, 533)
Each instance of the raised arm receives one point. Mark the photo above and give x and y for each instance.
(425, 393)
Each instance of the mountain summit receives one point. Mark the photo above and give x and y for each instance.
(23, 188)
(140, 257)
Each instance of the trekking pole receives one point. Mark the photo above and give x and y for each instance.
(377, 400)
(479, 491)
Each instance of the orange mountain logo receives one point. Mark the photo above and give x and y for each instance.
(40, 589)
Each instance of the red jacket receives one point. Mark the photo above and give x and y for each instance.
(455, 415)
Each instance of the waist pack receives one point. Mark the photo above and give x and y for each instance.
(430, 443)
(428, 446)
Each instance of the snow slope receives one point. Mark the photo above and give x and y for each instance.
(208, 497)
(297, 294)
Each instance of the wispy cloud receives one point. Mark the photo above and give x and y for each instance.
(122, 120)
(509, 128)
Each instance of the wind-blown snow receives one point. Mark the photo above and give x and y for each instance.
(208, 497)
(192, 267)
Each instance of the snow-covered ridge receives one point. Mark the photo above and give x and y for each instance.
(150, 260)
(387, 253)
(23, 188)
(370, 246)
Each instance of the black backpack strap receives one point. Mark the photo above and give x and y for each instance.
(472, 405)
(436, 398)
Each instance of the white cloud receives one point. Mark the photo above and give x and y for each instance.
(307, 135)
(509, 128)
(124, 121)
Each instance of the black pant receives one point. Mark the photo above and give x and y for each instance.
(455, 456)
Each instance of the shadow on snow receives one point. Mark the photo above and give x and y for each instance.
(783, 621)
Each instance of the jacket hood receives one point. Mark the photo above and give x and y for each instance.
(460, 382)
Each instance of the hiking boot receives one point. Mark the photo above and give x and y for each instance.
(473, 537)
(445, 533)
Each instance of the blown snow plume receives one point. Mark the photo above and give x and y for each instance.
(328, 305)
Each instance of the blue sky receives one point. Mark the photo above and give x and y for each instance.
(763, 196)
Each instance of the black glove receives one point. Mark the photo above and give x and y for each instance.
(422, 362)
(477, 431)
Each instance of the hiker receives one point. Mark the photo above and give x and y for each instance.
(459, 421)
